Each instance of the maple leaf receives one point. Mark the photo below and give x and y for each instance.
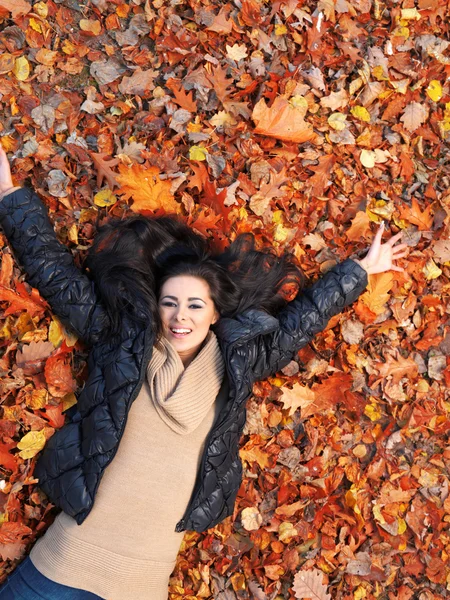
(104, 170)
(145, 188)
(205, 221)
(423, 220)
(282, 121)
(199, 177)
(20, 300)
(7, 460)
(299, 396)
(308, 584)
(414, 115)
(255, 454)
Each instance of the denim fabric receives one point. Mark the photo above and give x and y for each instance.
(27, 583)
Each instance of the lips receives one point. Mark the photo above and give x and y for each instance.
(180, 332)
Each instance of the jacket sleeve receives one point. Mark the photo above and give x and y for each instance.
(304, 317)
(49, 264)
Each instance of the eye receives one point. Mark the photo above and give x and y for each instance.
(195, 306)
(167, 303)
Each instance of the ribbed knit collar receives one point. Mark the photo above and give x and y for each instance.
(182, 397)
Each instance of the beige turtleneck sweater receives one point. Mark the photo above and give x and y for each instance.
(126, 548)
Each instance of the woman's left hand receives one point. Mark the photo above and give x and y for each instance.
(381, 256)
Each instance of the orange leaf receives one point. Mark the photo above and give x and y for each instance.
(146, 189)
(205, 222)
(423, 220)
(183, 99)
(221, 24)
(377, 293)
(58, 375)
(398, 367)
(359, 228)
(282, 121)
(16, 7)
(32, 304)
(199, 177)
(308, 584)
(321, 180)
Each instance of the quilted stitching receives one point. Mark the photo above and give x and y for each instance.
(254, 345)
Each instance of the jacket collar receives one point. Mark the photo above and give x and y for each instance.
(245, 326)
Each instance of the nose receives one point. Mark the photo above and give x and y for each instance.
(180, 316)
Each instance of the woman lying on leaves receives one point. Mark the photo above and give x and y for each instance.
(177, 338)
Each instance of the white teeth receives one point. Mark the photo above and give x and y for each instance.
(181, 330)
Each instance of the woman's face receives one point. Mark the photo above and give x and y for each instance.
(187, 311)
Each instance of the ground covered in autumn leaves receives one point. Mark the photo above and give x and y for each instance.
(304, 122)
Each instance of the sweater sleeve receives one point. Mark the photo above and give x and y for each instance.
(49, 264)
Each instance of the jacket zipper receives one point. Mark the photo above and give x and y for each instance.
(147, 353)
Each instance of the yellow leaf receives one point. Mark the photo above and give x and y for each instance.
(197, 153)
(31, 444)
(280, 29)
(401, 32)
(401, 526)
(146, 189)
(35, 24)
(41, 9)
(378, 291)
(91, 25)
(286, 531)
(367, 158)
(360, 593)
(431, 270)
(361, 113)
(38, 399)
(255, 454)
(298, 101)
(337, 121)
(72, 234)
(372, 411)
(21, 68)
(105, 198)
(410, 14)
(434, 90)
(68, 401)
(55, 333)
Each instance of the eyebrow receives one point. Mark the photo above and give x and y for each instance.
(189, 299)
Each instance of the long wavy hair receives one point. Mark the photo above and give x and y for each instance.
(131, 258)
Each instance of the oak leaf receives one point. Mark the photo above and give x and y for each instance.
(398, 367)
(322, 172)
(282, 121)
(103, 167)
(308, 584)
(183, 99)
(299, 396)
(58, 375)
(145, 188)
(359, 228)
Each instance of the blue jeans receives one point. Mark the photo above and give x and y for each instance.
(27, 583)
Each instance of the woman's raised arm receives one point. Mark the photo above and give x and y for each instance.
(309, 313)
(47, 262)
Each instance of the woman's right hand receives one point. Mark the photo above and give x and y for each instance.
(5, 172)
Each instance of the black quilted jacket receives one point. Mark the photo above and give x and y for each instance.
(254, 345)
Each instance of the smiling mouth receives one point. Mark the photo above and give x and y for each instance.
(180, 332)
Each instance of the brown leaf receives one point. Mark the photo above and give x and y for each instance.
(183, 99)
(309, 584)
(103, 167)
(321, 180)
(16, 7)
(398, 367)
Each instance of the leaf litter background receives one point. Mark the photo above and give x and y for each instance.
(306, 123)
